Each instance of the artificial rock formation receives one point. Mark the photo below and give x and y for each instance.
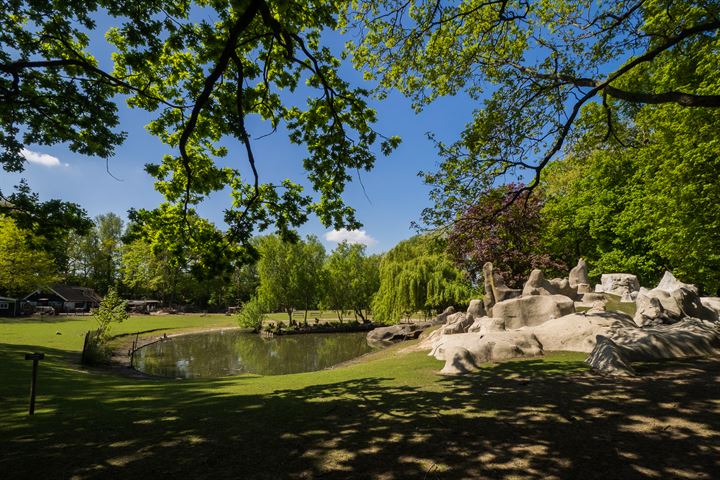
(713, 303)
(577, 332)
(495, 288)
(442, 318)
(579, 275)
(618, 284)
(456, 323)
(532, 310)
(476, 309)
(538, 285)
(383, 336)
(670, 302)
(690, 337)
(487, 324)
(465, 352)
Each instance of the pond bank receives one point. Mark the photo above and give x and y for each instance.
(121, 359)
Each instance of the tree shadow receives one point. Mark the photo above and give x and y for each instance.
(529, 419)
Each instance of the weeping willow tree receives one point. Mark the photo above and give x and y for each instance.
(417, 275)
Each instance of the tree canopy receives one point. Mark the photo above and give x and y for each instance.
(290, 273)
(644, 202)
(511, 240)
(202, 68)
(352, 278)
(531, 67)
(24, 266)
(418, 276)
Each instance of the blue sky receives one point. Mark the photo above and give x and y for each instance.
(395, 195)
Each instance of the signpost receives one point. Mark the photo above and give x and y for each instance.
(35, 357)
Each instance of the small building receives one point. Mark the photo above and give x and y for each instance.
(143, 306)
(9, 307)
(65, 299)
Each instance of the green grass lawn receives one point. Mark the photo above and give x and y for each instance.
(387, 416)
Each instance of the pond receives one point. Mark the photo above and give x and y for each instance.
(233, 352)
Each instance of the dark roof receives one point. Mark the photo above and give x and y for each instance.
(76, 294)
(8, 299)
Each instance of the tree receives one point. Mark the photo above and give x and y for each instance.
(290, 273)
(23, 266)
(352, 279)
(93, 259)
(511, 240)
(417, 275)
(202, 78)
(531, 67)
(142, 271)
(643, 201)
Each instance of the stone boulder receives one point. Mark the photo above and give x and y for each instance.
(609, 358)
(532, 310)
(442, 318)
(495, 288)
(456, 323)
(690, 337)
(618, 284)
(691, 306)
(465, 352)
(592, 297)
(384, 336)
(579, 275)
(561, 286)
(476, 309)
(670, 302)
(487, 324)
(577, 332)
(583, 288)
(669, 284)
(650, 311)
(538, 285)
(713, 303)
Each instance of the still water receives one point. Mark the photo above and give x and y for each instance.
(217, 354)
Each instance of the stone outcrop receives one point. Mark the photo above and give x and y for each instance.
(442, 318)
(579, 275)
(495, 288)
(689, 338)
(618, 284)
(456, 323)
(538, 285)
(669, 283)
(476, 309)
(577, 332)
(532, 310)
(713, 303)
(670, 302)
(593, 297)
(608, 358)
(383, 336)
(487, 324)
(465, 352)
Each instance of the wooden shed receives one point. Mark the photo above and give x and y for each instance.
(9, 307)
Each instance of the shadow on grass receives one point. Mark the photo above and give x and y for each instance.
(536, 419)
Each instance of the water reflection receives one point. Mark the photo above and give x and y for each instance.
(216, 354)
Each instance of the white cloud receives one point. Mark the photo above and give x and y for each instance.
(350, 236)
(41, 158)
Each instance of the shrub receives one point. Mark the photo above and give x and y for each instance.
(251, 315)
(112, 309)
